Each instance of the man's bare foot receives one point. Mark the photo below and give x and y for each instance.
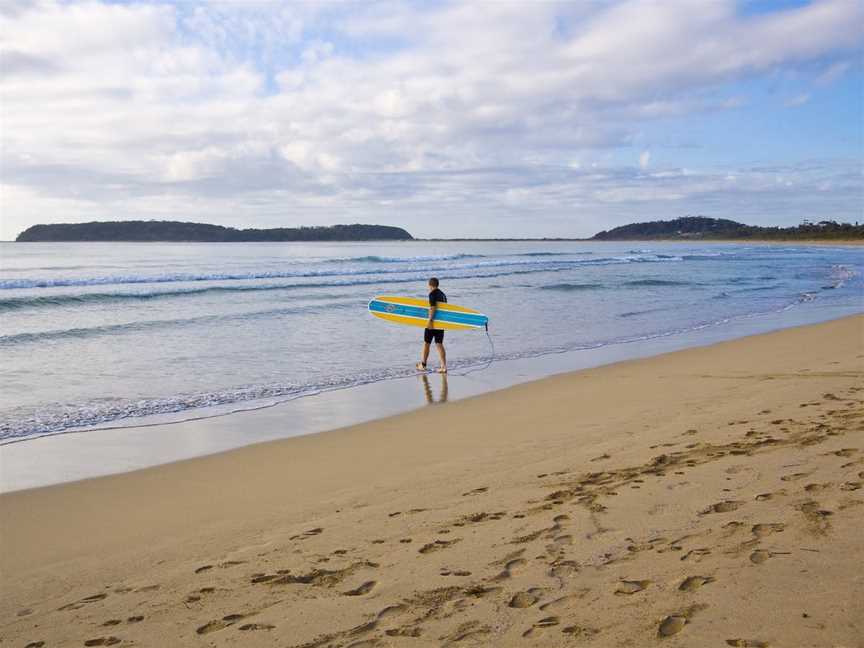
(420, 366)
(442, 370)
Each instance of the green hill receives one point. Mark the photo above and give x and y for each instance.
(700, 227)
(200, 232)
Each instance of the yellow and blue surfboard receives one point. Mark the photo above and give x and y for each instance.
(415, 312)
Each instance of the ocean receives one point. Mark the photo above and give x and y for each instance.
(96, 335)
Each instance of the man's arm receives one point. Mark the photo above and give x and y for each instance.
(432, 309)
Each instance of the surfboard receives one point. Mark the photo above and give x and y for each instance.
(415, 312)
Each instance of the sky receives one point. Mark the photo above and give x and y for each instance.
(451, 119)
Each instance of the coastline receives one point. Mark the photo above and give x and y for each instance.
(805, 242)
(576, 506)
(149, 441)
(824, 242)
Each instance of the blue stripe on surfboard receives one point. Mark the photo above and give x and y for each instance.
(469, 319)
(455, 317)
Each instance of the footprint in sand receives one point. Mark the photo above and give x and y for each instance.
(102, 641)
(203, 569)
(762, 530)
(511, 567)
(759, 556)
(564, 569)
(693, 583)
(256, 626)
(365, 588)
(794, 477)
(35, 644)
(437, 545)
(82, 602)
(231, 563)
(730, 528)
(815, 488)
(767, 497)
(580, 632)
(391, 611)
(468, 630)
(817, 518)
(696, 555)
(564, 601)
(541, 625)
(219, 624)
(479, 591)
(722, 507)
(476, 491)
(522, 600)
(747, 643)
(627, 587)
(671, 625)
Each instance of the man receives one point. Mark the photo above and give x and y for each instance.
(436, 296)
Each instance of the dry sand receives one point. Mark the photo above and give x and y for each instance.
(710, 497)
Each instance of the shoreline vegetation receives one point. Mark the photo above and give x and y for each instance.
(699, 228)
(181, 232)
(537, 515)
(688, 229)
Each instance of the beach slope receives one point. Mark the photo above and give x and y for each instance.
(709, 497)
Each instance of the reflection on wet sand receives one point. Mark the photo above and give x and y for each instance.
(427, 389)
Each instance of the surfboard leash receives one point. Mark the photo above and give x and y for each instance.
(488, 362)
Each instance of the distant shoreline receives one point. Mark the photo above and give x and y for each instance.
(847, 242)
(657, 240)
(182, 232)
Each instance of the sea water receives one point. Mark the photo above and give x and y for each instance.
(112, 334)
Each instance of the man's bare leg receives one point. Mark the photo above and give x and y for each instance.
(422, 364)
(443, 355)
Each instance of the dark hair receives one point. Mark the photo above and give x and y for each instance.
(433, 282)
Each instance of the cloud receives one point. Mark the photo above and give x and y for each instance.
(833, 72)
(644, 159)
(797, 100)
(14, 64)
(307, 113)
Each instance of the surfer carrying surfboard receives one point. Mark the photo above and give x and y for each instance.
(436, 296)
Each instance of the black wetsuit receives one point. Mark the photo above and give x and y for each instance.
(435, 297)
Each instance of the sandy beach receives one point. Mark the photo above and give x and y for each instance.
(707, 497)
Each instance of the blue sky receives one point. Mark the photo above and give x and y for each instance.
(447, 118)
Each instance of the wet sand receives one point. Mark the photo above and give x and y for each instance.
(706, 497)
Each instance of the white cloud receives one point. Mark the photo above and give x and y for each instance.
(328, 112)
(797, 100)
(833, 72)
(644, 159)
